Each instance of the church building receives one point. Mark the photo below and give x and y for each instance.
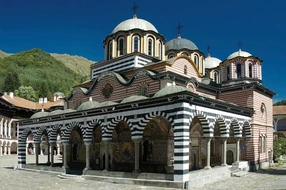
(159, 106)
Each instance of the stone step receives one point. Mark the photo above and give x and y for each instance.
(239, 173)
(69, 176)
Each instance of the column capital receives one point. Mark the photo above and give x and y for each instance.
(137, 140)
(87, 142)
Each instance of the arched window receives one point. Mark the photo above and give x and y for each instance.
(185, 69)
(110, 49)
(185, 53)
(250, 70)
(160, 50)
(120, 46)
(171, 55)
(196, 60)
(136, 44)
(216, 76)
(238, 70)
(228, 72)
(150, 46)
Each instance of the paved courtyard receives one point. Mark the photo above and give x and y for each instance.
(11, 179)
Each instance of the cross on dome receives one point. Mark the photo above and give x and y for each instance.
(179, 27)
(134, 8)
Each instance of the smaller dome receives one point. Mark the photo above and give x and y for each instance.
(134, 23)
(211, 62)
(56, 112)
(133, 98)
(239, 53)
(40, 114)
(170, 90)
(180, 43)
(106, 103)
(68, 111)
(87, 105)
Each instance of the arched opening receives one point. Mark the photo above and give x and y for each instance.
(76, 151)
(229, 157)
(216, 147)
(160, 50)
(13, 148)
(157, 146)
(243, 145)
(196, 60)
(231, 146)
(110, 50)
(122, 148)
(171, 55)
(136, 43)
(238, 70)
(228, 74)
(198, 145)
(250, 70)
(120, 46)
(185, 70)
(150, 46)
(96, 150)
(216, 77)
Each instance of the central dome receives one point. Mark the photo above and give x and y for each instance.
(180, 43)
(135, 23)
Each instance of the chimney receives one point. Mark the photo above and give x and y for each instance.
(11, 95)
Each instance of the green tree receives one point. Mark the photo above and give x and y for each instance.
(280, 103)
(26, 92)
(11, 82)
(279, 147)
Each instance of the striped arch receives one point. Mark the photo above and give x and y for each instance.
(67, 132)
(247, 126)
(146, 119)
(89, 130)
(39, 134)
(108, 130)
(222, 126)
(53, 133)
(25, 134)
(236, 128)
(207, 131)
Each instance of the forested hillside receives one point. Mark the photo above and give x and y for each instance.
(39, 70)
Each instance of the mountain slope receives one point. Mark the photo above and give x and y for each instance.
(76, 63)
(41, 71)
(3, 54)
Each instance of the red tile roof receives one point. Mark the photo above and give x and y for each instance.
(279, 110)
(26, 104)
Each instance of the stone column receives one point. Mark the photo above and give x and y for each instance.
(137, 154)
(87, 156)
(65, 163)
(224, 151)
(41, 146)
(27, 148)
(9, 129)
(58, 149)
(1, 128)
(5, 149)
(1, 150)
(208, 166)
(237, 149)
(52, 153)
(106, 151)
(9, 150)
(48, 154)
(37, 146)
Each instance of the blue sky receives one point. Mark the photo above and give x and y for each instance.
(79, 27)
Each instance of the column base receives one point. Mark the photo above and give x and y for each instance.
(87, 168)
(224, 165)
(136, 171)
(207, 167)
(48, 163)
